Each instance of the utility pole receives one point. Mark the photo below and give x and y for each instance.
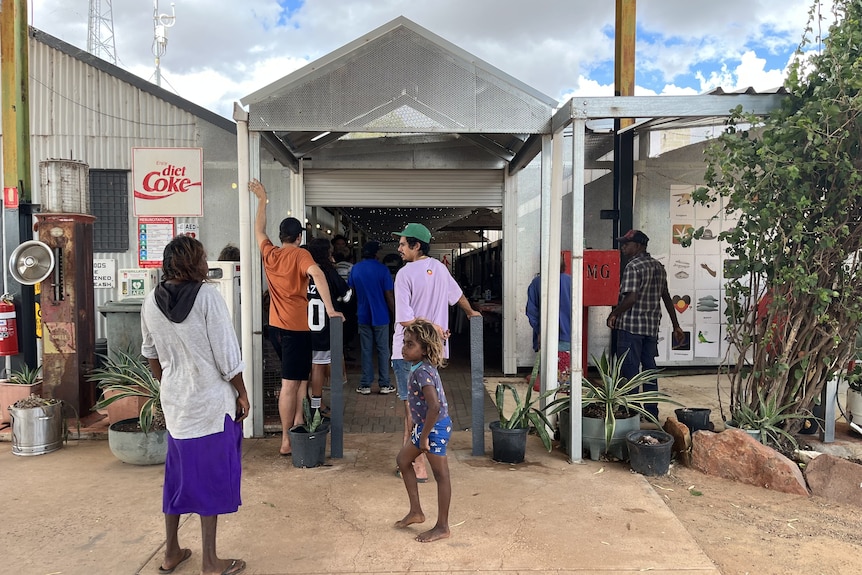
(161, 23)
(624, 85)
(624, 161)
(100, 31)
(14, 85)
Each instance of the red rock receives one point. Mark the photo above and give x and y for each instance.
(681, 440)
(733, 454)
(835, 479)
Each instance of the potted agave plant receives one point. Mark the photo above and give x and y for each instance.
(764, 419)
(611, 408)
(308, 441)
(509, 433)
(21, 384)
(140, 440)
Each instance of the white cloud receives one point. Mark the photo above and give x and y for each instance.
(219, 51)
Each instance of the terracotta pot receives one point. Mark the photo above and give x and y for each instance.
(12, 392)
(126, 408)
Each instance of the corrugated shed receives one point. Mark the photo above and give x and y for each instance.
(86, 109)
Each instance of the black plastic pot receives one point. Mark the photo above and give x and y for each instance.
(695, 418)
(649, 459)
(509, 445)
(308, 449)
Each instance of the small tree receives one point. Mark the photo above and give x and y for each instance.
(795, 178)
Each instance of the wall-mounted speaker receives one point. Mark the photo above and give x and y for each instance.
(31, 262)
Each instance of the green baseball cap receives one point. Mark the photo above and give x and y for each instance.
(417, 231)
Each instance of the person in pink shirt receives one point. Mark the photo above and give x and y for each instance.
(424, 288)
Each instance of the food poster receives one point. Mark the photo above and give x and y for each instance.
(681, 350)
(681, 205)
(707, 271)
(696, 275)
(707, 341)
(708, 307)
(708, 242)
(678, 233)
(711, 211)
(680, 271)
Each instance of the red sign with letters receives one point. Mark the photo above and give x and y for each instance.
(601, 277)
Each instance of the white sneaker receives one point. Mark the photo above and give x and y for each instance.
(363, 390)
(387, 389)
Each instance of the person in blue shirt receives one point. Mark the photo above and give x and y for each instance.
(534, 309)
(375, 306)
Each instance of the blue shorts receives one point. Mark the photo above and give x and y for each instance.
(438, 439)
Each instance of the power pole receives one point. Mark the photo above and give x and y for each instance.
(15, 89)
(624, 85)
(100, 31)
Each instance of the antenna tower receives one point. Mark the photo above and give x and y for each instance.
(100, 31)
(161, 23)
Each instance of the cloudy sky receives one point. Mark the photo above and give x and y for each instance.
(220, 51)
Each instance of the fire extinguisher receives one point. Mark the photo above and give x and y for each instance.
(8, 327)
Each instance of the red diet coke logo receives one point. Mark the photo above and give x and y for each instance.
(165, 183)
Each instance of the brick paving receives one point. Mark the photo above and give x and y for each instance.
(378, 413)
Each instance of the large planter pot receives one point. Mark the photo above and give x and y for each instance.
(649, 451)
(508, 445)
(121, 409)
(37, 430)
(12, 392)
(854, 406)
(130, 444)
(593, 436)
(695, 418)
(755, 433)
(308, 449)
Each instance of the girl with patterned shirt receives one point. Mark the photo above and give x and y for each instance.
(432, 427)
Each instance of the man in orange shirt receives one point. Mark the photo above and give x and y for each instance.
(288, 269)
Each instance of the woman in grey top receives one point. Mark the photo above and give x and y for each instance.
(191, 347)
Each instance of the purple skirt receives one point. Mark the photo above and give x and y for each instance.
(202, 475)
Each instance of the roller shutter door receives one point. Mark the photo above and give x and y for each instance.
(420, 188)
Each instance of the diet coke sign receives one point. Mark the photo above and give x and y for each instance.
(168, 181)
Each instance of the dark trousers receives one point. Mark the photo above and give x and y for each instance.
(643, 350)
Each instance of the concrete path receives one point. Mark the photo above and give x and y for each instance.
(81, 511)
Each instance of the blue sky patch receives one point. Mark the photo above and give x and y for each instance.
(288, 8)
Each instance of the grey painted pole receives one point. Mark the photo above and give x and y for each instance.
(477, 381)
(827, 400)
(336, 389)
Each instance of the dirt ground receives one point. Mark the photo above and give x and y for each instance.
(747, 529)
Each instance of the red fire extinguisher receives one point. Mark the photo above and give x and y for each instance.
(8, 328)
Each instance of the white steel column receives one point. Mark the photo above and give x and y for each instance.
(296, 195)
(510, 262)
(578, 149)
(544, 242)
(552, 148)
(253, 425)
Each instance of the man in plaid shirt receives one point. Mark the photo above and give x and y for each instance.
(638, 313)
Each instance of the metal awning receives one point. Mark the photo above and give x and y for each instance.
(397, 79)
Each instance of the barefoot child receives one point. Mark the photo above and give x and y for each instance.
(423, 348)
